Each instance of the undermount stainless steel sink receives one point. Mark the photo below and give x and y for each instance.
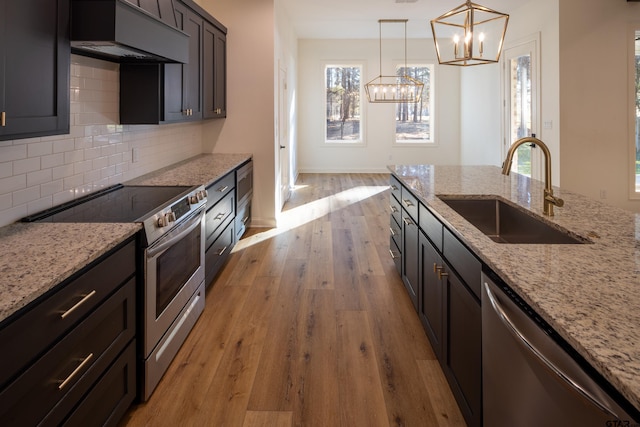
(504, 223)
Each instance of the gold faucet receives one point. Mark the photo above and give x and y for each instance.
(549, 199)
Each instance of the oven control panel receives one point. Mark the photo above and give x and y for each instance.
(174, 213)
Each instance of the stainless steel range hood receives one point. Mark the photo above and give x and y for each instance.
(119, 31)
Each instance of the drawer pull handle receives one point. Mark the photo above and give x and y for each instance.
(245, 219)
(223, 189)
(393, 255)
(223, 250)
(220, 216)
(408, 203)
(393, 209)
(82, 364)
(78, 304)
(407, 221)
(393, 233)
(442, 274)
(3, 119)
(393, 187)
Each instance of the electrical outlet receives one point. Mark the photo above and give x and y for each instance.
(135, 155)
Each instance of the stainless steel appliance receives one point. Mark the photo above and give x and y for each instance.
(171, 258)
(532, 377)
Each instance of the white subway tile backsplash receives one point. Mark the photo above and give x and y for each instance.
(63, 145)
(38, 149)
(73, 181)
(62, 172)
(39, 177)
(6, 169)
(51, 187)
(25, 196)
(39, 205)
(26, 165)
(13, 152)
(13, 183)
(52, 161)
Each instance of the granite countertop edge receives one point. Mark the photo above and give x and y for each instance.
(588, 293)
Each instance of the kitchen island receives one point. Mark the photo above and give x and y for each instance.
(589, 293)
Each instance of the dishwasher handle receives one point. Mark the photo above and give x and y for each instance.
(573, 383)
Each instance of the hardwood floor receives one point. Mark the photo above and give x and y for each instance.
(308, 325)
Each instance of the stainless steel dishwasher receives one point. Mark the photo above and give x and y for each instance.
(531, 377)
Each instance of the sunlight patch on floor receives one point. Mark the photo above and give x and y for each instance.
(300, 215)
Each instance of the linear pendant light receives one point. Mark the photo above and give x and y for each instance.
(470, 34)
(397, 88)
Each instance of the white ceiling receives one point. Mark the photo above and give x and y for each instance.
(357, 19)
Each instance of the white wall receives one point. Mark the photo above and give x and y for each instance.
(378, 119)
(39, 173)
(250, 123)
(594, 98)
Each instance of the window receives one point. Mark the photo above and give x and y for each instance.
(414, 120)
(636, 97)
(342, 84)
(520, 80)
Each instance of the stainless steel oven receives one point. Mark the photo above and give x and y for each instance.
(173, 294)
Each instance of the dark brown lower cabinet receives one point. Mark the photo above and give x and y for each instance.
(462, 345)
(93, 322)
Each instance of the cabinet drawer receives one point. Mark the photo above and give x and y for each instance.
(217, 190)
(218, 252)
(220, 214)
(396, 255)
(410, 204)
(431, 226)
(395, 187)
(395, 231)
(463, 261)
(243, 218)
(111, 396)
(32, 333)
(53, 385)
(396, 210)
(244, 182)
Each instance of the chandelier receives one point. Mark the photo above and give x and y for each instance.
(397, 88)
(470, 34)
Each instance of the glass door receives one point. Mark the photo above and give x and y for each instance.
(520, 88)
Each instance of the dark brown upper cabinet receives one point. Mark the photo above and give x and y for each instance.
(167, 93)
(214, 72)
(34, 68)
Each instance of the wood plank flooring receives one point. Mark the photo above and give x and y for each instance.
(308, 325)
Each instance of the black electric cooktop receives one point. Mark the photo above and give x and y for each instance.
(114, 204)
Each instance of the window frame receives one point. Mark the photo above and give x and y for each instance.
(432, 107)
(634, 188)
(344, 142)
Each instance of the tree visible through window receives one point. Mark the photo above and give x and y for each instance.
(414, 120)
(637, 112)
(343, 103)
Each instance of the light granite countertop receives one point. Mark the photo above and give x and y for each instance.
(35, 257)
(589, 293)
(38, 256)
(203, 169)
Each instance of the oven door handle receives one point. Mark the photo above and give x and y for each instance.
(170, 239)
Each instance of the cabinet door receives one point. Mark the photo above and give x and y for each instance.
(410, 234)
(214, 72)
(463, 347)
(35, 60)
(430, 291)
(183, 82)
